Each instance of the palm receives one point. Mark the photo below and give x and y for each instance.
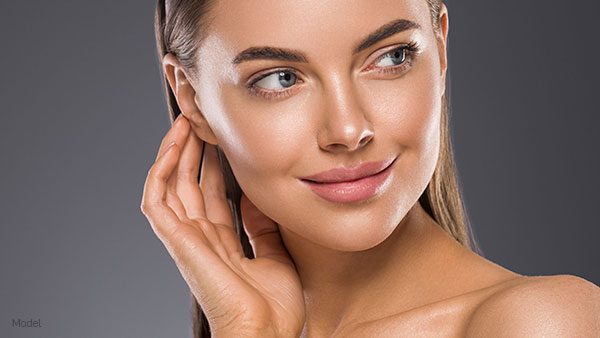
(279, 288)
(257, 293)
(194, 222)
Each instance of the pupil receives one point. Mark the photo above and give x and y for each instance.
(399, 54)
(286, 79)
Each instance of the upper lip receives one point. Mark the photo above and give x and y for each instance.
(343, 174)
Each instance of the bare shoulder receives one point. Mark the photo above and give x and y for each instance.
(555, 305)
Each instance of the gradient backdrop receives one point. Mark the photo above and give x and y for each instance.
(82, 115)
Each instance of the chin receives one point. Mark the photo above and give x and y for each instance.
(352, 241)
(353, 231)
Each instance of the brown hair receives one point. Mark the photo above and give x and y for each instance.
(179, 27)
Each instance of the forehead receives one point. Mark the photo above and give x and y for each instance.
(321, 28)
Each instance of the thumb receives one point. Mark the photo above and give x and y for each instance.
(263, 233)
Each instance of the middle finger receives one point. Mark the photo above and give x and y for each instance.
(187, 177)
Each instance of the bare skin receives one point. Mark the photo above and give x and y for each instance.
(381, 268)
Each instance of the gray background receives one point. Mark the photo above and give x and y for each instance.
(83, 114)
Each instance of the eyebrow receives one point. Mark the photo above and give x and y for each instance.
(284, 54)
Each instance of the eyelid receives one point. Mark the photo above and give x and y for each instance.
(410, 49)
(255, 78)
(269, 93)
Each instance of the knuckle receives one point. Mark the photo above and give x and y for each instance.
(151, 170)
(204, 223)
(152, 173)
(147, 208)
(185, 179)
(185, 176)
(144, 208)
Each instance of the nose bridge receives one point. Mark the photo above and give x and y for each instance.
(346, 123)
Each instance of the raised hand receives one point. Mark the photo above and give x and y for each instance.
(240, 296)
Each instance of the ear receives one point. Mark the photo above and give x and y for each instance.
(443, 43)
(185, 95)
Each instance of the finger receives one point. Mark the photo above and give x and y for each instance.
(154, 205)
(174, 202)
(171, 135)
(207, 274)
(187, 185)
(217, 208)
(199, 262)
(201, 267)
(212, 185)
(263, 233)
(186, 198)
(179, 134)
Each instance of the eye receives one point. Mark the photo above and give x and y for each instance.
(271, 81)
(397, 56)
(280, 83)
(273, 84)
(396, 60)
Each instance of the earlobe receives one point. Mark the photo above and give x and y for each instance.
(185, 95)
(201, 127)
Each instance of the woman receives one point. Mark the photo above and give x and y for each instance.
(327, 201)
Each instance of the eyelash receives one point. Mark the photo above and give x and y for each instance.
(410, 50)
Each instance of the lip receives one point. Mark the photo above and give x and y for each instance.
(373, 178)
(343, 174)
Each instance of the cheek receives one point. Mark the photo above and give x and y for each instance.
(267, 143)
(406, 111)
(263, 143)
(407, 114)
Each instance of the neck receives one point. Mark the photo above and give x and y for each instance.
(342, 286)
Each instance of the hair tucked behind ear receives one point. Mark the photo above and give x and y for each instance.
(179, 27)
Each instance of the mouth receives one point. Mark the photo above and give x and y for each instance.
(344, 174)
(353, 190)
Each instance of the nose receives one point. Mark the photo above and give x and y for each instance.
(346, 126)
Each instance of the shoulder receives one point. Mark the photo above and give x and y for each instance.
(536, 306)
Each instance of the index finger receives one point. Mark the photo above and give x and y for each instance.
(173, 134)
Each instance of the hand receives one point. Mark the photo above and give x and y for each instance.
(239, 296)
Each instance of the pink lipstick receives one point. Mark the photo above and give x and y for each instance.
(346, 185)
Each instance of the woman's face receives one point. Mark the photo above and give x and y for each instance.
(334, 106)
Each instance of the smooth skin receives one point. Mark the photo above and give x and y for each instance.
(383, 268)
(262, 296)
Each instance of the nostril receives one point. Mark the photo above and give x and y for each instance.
(365, 140)
(336, 146)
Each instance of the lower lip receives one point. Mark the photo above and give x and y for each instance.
(353, 191)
